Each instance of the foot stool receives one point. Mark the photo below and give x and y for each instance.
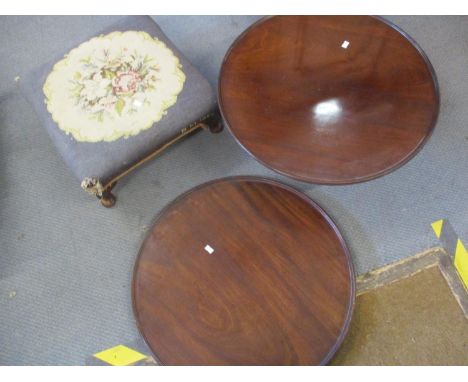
(117, 100)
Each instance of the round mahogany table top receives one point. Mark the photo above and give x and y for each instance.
(243, 271)
(328, 99)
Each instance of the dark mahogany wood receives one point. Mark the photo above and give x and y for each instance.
(309, 107)
(107, 198)
(277, 290)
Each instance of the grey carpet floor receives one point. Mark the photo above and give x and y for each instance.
(66, 263)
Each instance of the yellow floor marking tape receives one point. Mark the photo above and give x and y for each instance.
(453, 246)
(120, 355)
(461, 262)
(437, 227)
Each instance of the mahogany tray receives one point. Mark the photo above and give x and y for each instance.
(328, 99)
(243, 271)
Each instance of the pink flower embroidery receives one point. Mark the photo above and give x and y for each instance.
(126, 82)
(114, 84)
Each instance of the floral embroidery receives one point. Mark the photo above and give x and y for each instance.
(106, 85)
(118, 85)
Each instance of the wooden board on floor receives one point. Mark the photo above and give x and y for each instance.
(413, 321)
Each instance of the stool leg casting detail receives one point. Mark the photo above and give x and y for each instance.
(93, 186)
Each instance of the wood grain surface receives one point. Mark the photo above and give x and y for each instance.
(278, 288)
(328, 99)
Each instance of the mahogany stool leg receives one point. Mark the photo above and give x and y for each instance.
(215, 129)
(214, 123)
(108, 199)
